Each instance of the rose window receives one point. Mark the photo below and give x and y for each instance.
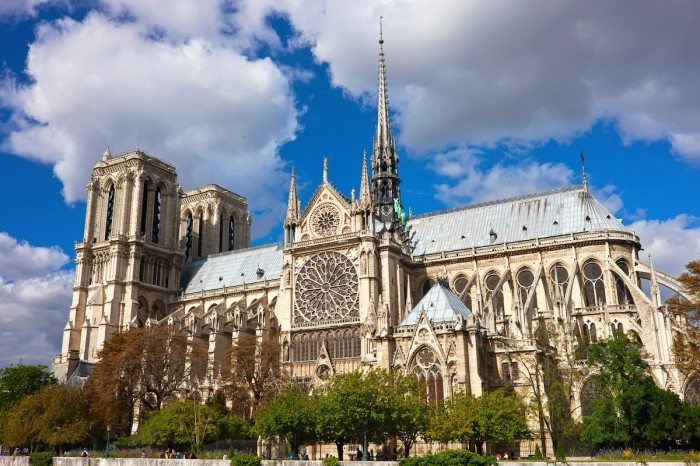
(326, 291)
(325, 220)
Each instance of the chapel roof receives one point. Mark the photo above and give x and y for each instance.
(440, 305)
(540, 215)
(233, 268)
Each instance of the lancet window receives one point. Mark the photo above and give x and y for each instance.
(590, 334)
(559, 277)
(340, 344)
(526, 283)
(157, 205)
(200, 239)
(144, 208)
(221, 232)
(460, 287)
(110, 212)
(427, 369)
(231, 232)
(188, 236)
(623, 293)
(593, 285)
(495, 298)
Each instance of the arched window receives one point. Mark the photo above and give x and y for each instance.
(144, 208)
(593, 285)
(188, 236)
(559, 277)
(157, 203)
(594, 336)
(623, 293)
(526, 283)
(221, 232)
(200, 238)
(460, 287)
(110, 212)
(427, 370)
(492, 296)
(231, 233)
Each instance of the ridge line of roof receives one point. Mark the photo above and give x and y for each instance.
(497, 201)
(252, 248)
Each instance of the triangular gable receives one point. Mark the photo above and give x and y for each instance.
(424, 335)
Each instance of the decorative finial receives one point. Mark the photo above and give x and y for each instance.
(107, 154)
(325, 169)
(584, 175)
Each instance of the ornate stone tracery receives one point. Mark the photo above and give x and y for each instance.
(326, 291)
(325, 220)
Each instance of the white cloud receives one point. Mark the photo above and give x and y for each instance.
(20, 260)
(21, 7)
(672, 243)
(472, 183)
(474, 73)
(203, 106)
(34, 299)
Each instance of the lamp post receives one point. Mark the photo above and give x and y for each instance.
(107, 445)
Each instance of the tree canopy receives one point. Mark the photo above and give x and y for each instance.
(182, 424)
(18, 381)
(686, 344)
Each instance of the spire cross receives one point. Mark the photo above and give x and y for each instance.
(584, 175)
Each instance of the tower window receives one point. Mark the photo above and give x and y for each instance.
(188, 236)
(231, 233)
(157, 202)
(110, 212)
(144, 209)
(221, 232)
(200, 239)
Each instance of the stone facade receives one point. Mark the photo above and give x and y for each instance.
(456, 297)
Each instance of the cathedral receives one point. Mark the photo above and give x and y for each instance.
(457, 297)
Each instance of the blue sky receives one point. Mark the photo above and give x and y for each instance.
(488, 100)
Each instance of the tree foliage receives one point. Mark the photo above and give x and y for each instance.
(686, 344)
(145, 366)
(629, 409)
(291, 414)
(56, 416)
(182, 424)
(252, 372)
(407, 411)
(18, 381)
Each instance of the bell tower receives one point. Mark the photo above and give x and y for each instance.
(128, 264)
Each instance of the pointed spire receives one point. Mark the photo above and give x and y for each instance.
(293, 203)
(365, 193)
(584, 175)
(383, 137)
(107, 154)
(325, 169)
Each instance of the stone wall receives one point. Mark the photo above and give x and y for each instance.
(14, 461)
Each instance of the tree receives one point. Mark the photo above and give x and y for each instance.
(18, 381)
(408, 410)
(182, 424)
(290, 415)
(56, 416)
(354, 408)
(144, 366)
(496, 417)
(252, 372)
(686, 344)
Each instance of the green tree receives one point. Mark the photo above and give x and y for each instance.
(290, 415)
(18, 381)
(497, 417)
(408, 410)
(182, 424)
(56, 416)
(686, 343)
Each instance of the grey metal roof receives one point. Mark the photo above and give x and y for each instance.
(552, 213)
(440, 304)
(233, 268)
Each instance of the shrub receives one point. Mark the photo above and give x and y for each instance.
(331, 461)
(245, 460)
(451, 458)
(42, 458)
(559, 455)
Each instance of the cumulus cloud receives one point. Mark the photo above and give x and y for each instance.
(35, 295)
(20, 260)
(470, 182)
(475, 73)
(21, 7)
(672, 243)
(203, 106)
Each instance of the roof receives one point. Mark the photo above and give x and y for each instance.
(552, 213)
(440, 304)
(233, 268)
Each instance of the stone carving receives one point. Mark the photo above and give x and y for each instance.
(326, 290)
